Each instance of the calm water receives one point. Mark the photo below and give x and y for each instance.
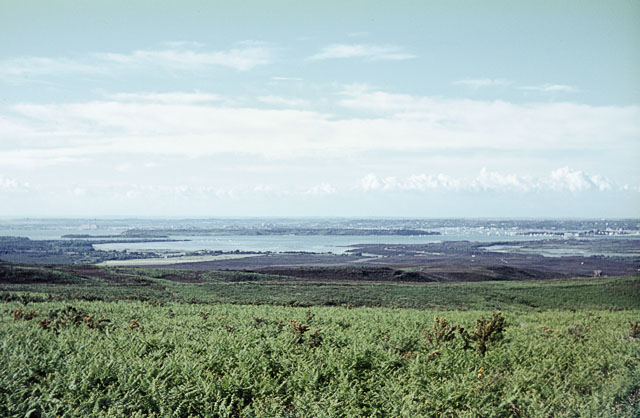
(278, 243)
(55, 229)
(560, 252)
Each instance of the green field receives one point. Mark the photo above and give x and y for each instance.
(126, 342)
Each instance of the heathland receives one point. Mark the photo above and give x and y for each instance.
(114, 341)
(165, 318)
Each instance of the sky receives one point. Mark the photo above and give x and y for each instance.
(320, 108)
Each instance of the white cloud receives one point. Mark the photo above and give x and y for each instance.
(575, 181)
(283, 101)
(186, 125)
(477, 83)
(370, 182)
(433, 123)
(43, 156)
(79, 192)
(560, 180)
(13, 128)
(482, 82)
(424, 182)
(127, 167)
(180, 44)
(322, 189)
(497, 181)
(8, 184)
(200, 192)
(417, 182)
(179, 191)
(286, 78)
(25, 67)
(170, 97)
(241, 59)
(176, 57)
(550, 88)
(368, 51)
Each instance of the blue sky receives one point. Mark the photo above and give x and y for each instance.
(356, 108)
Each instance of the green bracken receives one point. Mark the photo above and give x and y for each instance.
(166, 360)
(141, 345)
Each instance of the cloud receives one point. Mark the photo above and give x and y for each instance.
(241, 59)
(154, 191)
(322, 189)
(477, 83)
(419, 182)
(13, 128)
(8, 184)
(504, 182)
(283, 101)
(286, 78)
(370, 182)
(25, 67)
(127, 167)
(180, 44)
(79, 192)
(625, 187)
(173, 58)
(482, 82)
(563, 179)
(187, 125)
(368, 51)
(422, 122)
(172, 97)
(560, 180)
(200, 192)
(551, 88)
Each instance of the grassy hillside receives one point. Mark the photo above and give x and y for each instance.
(109, 284)
(142, 359)
(89, 341)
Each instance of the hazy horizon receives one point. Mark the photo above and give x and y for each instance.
(304, 217)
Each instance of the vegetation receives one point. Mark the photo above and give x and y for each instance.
(116, 283)
(280, 230)
(91, 341)
(80, 250)
(138, 358)
(25, 250)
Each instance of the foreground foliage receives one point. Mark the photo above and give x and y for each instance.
(132, 358)
(87, 341)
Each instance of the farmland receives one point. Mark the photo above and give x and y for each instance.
(107, 341)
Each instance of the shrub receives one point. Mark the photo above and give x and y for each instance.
(578, 331)
(315, 338)
(442, 331)
(298, 329)
(486, 330)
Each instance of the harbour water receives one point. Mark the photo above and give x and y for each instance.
(189, 235)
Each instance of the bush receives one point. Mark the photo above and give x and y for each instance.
(486, 330)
